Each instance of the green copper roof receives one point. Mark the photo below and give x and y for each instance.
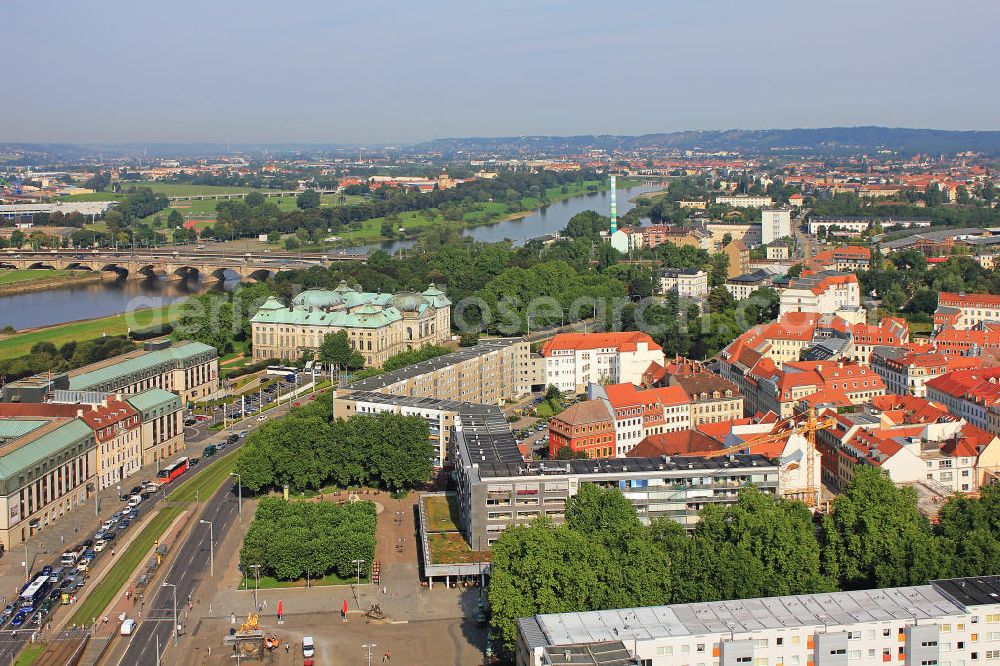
(48, 444)
(345, 307)
(152, 399)
(14, 428)
(173, 356)
(272, 303)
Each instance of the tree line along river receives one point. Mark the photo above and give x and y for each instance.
(102, 299)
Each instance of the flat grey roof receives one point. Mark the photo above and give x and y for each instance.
(484, 347)
(420, 403)
(834, 609)
(973, 591)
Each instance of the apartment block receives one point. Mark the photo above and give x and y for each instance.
(824, 292)
(964, 311)
(497, 489)
(489, 373)
(439, 414)
(947, 622)
(689, 282)
(575, 360)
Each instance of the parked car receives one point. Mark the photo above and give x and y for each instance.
(232, 439)
(100, 545)
(209, 451)
(190, 421)
(193, 461)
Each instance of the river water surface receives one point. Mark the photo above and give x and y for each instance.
(101, 299)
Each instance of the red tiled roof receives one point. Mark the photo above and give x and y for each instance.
(623, 342)
(683, 442)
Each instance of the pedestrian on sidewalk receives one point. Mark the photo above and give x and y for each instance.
(287, 646)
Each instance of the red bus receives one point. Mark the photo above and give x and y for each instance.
(173, 470)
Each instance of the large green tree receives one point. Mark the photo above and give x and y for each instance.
(876, 537)
(336, 350)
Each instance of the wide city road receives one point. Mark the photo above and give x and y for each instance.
(189, 566)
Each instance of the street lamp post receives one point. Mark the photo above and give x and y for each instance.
(358, 564)
(256, 582)
(369, 647)
(211, 543)
(239, 491)
(176, 634)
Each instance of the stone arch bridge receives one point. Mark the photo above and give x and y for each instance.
(170, 266)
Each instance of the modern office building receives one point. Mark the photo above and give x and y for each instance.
(189, 369)
(947, 622)
(439, 414)
(489, 373)
(497, 488)
(377, 325)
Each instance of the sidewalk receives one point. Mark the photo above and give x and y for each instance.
(80, 523)
(401, 595)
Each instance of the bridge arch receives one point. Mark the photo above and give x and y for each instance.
(77, 266)
(261, 274)
(120, 271)
(222, 274)
(40, 265)
(187, 273)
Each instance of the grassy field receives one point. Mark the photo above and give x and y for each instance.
(94, 196)
(30, 654)
(205, 209)
(20, 344)
(185, 189)
(15, 276)
(94, 605)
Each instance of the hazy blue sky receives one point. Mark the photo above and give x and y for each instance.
(363, 72)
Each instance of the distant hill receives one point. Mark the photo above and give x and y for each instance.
(816, 142)
(828, 140)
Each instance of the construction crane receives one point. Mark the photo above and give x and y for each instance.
(808, 429)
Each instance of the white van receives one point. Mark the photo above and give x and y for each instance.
(127, 627)
(134, 501)
(308, 648)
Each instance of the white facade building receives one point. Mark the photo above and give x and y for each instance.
(775, 223)
(689, 282)
(826, 292)
(745, 201)
(949, 622)
(574, 360)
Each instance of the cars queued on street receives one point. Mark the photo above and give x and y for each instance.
(60, 583)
